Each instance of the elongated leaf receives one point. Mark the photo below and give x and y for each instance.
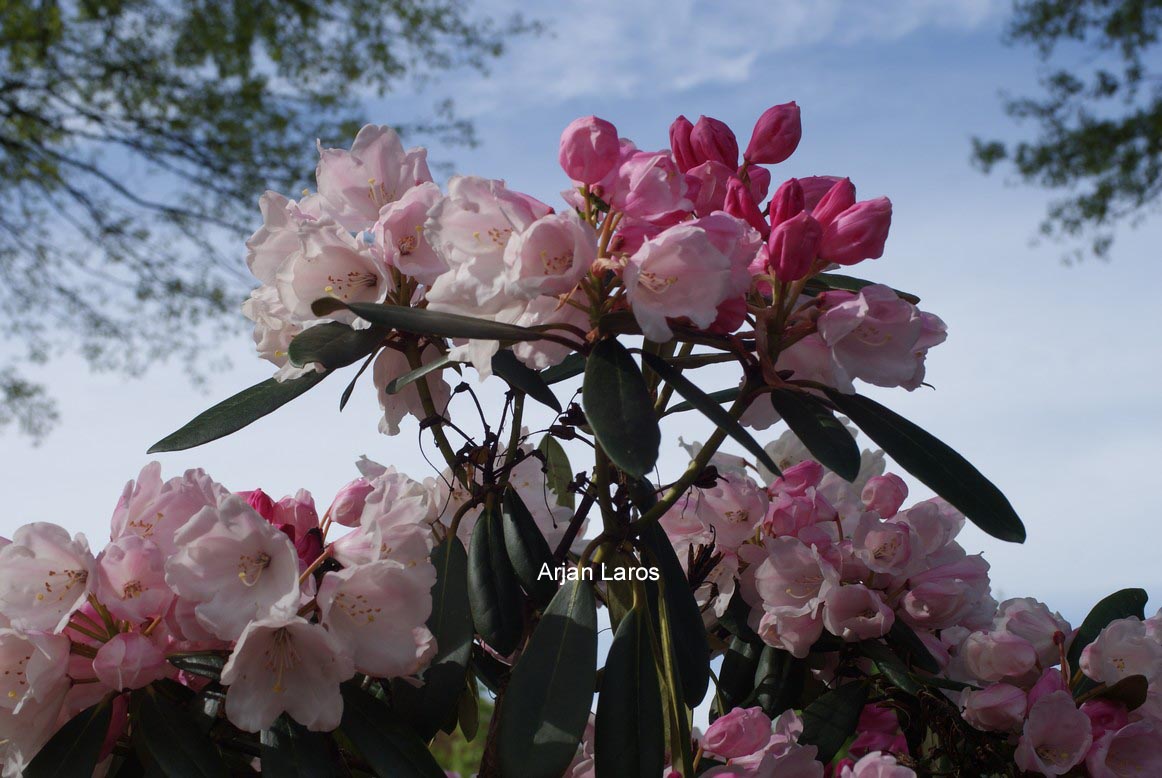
(695, 361)
(709, 408)
(630, 738)
(238, 411)
(691, 649)
(736, 678)
(333, 345)
(207, 665)
(389, 747)
(1119, 605)
(559, 473)
(831, 719)
(935, 464)
(570, 367)
(818, 429)
(289, 749)
(396, 385)
(907, 644)
(826, 281)
(778, 680)
(74, 749)
(527, 549)
(618, 407)
(343, 398)
(173, 739)
(721, 396)
(546, 707)
(493, 590)
(432, 705)
(888, 663)
(1129, 691)
(524, 379)
(421, 321)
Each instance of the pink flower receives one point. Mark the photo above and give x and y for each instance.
(712, 140)
(835, 195)
(992, 656)
(1105, 716)
(741, 732)
(331, 263)
(943, 595)
(855, 612)
(131, 579)
(793, 246)
(1133, 750)
(997, 708)
(278, 237)
(884, 494)
(45, 575)
(348, 504)
(776, 135)
(550, 257)
(681, 145)
(1121, 649)
(877, 765)
(858, 233)
(934, 522)
(130, 660)
(885, 547)
(376, 171)
(878, 730)
(286, 664)
(156, 510)
(787, 201)
(741, 205)
(589, 149)
(650, 186)
(34, 666)
(1033, 621)
(1055, 738)
(707, 185)
(399, 234)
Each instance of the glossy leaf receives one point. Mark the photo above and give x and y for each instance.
(736, 678)
(709, 408)
(691, 648)
(1119, 605)
(826, 281)
(207, 665)
(546, 706)
(75, 747)
(527, 549)
(935, 464)
(1130, 691)
(493, 590)
(618, 406)
(289, 749)
(523, 378)
(333, 345)
(569, 367)
(721, 396)
(891, 665)
(778, 680)
(432, 705)
(630, 738)
(421, 321)
(831, 719)
(397, 384)
(390, 748)
(343, 398)
(818, 429)
(236, 412)
(558, 471)
(907, 644)
(173, 740)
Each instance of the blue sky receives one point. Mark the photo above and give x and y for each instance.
(1048, 379)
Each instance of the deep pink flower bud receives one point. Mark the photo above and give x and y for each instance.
(589, 149)
(261, 502)
(759, 182)
(731, 315)
(837, 199)
(713, 140)
(793, 246)
(309, 546)
(741, 205)
(858, 233)
(786, 202)
(706, 186)
(1105, 716)
(814, 187)
(680, 144)
(776, 135)
(884, 494)
(349, 502)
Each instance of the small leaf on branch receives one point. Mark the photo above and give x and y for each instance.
(630, 738)
(334, 345)
(527, 548)
(421, 321)
(720, 396)
(831, 719)
(546, 707)
(236, 412)
(939, 467)
(618, 406)
(559, 473)
(818, 429)
(493, 589)
(524, 379)
(397, 384)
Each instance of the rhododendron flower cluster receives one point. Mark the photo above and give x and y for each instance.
(832, 624)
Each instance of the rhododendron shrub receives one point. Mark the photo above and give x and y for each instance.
(833, 624)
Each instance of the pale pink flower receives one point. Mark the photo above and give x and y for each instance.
(884, 546)
(131, 579)
(330, 263)
(273, 330)
(589, 149)
(810, 359)
(348, 504)
(997, 708)
(1134, 750)
(737, 241)
(550, 257)
(32, 667)
(399, 234)
(285, 664)
(236, 566)
(735, 508)
(791, 628)
(278, 237)
(706, 186)
(934, 524)
(855, 612)
(993, 656)
(776, 135)
(650, 186)
(130, 660)
(884, 494)
(156, 510)
(740, 732)
(1056, 736)
(539, 354)
(877, 765)
(379, 612)
(24, 733)
(1121, 649)
(944, 595)
(356, 184)
(1032, 620)
(391, 364)
(45, 575)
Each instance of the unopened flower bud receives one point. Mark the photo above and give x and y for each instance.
(589, 149)
(776, 135)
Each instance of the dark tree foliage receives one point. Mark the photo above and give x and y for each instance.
(1099, 119)
(136, 135)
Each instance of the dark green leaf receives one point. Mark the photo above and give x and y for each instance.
(207, 665)
(736, 618)
(546, 706)
(691, 648)
(527, 549)
(468, 711)
(75, 747)
(736, 678)
(818, 429)
(830, 720)
(695, 361)
(709, 408)
(334, 345)
(172, 739)
(234, 413)
(421, 321)
(343, 398)
(493, 590)
(907, 644)
(524, 379)
(935, 464)
(826, 281)
(888, 663)
(395, 385)
(558, 471)
(618, 406)
(289, 749)
(722, 396)
(1129, 691)
(1119, 605)
(778, 680)
(629, 738)
(570, 367)
(432, 705)
(390, 748)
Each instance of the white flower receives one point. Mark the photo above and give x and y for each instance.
(286, 664)
(32, 666)
(44, 576)
(330, 263)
